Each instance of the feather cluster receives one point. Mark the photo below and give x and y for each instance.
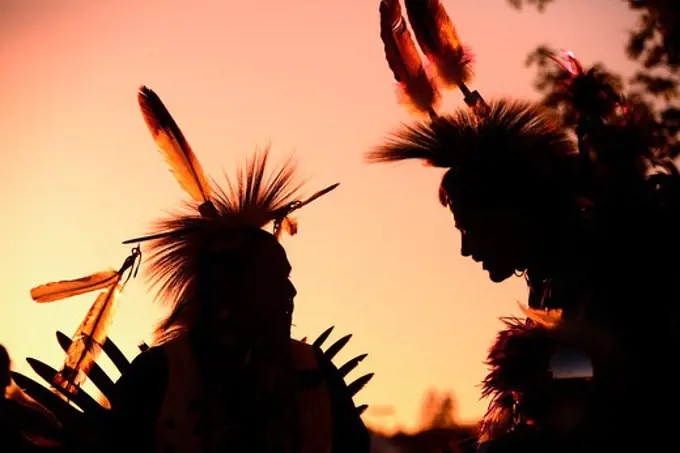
(253, 201)
(416, 90)
(438, 38)
(523, 364)
(436, 35)
(88, 339)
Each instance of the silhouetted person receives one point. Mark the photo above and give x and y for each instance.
(592, 223)
(225, 374)
(513, 188)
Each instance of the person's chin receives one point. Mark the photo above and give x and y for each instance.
(497, 276)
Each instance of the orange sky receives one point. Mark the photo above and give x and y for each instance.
(378, 257)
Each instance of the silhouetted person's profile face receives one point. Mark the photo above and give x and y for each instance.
(5, 377)
(495, 230)
(512, 218)
(496, 238)
(250, 293)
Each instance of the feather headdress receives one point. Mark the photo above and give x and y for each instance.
(252, 201)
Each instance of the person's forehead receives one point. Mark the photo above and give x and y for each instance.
(269, 253)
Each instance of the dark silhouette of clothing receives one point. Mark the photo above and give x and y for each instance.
(143, 389)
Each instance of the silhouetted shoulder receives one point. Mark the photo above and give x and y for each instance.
(147, 371)
(137, 399)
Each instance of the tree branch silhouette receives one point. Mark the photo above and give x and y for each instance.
(653, 90)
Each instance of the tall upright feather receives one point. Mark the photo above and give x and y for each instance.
(63, 289)
(169, 138)
(439, 41)
(416, 90)
(88, 340)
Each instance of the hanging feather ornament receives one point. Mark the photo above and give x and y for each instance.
(416, 90)
(87, 341)
(64, 289)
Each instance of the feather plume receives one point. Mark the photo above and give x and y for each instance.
(521, 352)
(63, 289)
(525, 355)
(416, 90)
(439, 41)
(169, 138)
(88, 340)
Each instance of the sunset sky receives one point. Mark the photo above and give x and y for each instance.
(378, 257)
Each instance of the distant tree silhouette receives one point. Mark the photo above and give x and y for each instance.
(654, 44)
(438, 410)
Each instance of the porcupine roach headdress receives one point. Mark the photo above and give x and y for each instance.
(214, 220)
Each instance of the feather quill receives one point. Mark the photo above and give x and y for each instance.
(175, 148)
(63, 289)
(439, 41)
(88, 340)
(416, 90)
